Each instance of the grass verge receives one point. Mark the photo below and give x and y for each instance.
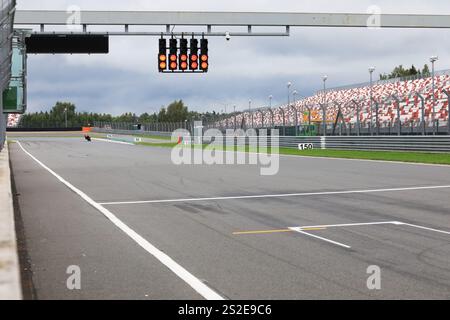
(413, 157)
(151, 137)
(162, 144)
(402, 156)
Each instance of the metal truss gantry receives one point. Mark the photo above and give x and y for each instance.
(170, 19)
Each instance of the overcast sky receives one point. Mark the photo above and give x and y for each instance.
(127, 80)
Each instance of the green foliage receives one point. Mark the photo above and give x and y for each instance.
(177, 111)
(417, 157)
(56, 117)
(398, 156)
(426, 71)
(401, 72)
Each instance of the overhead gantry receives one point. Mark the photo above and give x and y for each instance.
(80, 21)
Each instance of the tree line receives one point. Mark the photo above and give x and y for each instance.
(401, 72)
(177, 111)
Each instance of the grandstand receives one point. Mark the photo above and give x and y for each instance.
(397, 99)
(13, 120)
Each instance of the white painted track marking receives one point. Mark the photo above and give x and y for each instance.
(426, 228)
(277, 195)
(397, 223)
(320, 238)
(181, 272)
(351, 225)
(113, 141)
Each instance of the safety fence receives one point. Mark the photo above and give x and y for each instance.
(132, 132)
(154, 127)
(394, 128)
(431, 143)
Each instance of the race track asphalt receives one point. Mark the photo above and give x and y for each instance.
(202, 235)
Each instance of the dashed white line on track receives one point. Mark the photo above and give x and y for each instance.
(113, 141)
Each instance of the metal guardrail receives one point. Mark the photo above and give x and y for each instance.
(386, 143)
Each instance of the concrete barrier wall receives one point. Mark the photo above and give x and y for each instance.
(10, 287)
(2, 127)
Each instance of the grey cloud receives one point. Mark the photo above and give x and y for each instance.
(242, 69)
